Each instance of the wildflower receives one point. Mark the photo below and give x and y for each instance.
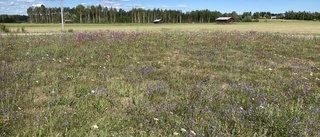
(175, 133)
(92, 91)
(270, 69)
(241, 108)
(155, 119)
(194, 133)
(311, 74)
(183, 130)
(95, 126)
(261, 106)
(37, 81)
(308, 88)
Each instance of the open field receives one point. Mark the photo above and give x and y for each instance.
(161, 83)
(280, 26)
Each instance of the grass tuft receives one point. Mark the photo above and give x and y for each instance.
(160, 83)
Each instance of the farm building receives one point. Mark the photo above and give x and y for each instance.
(273, 17)
(222, 20)
(158, 21)
(67, 21)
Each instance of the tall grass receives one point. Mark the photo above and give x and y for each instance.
(160, 84)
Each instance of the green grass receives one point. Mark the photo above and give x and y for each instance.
(160, 83)
(271, 26)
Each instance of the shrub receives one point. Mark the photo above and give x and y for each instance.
(255, 20)
(18, 30)
(4, 28)
(23, 30)
(247, 19)
(70, 30)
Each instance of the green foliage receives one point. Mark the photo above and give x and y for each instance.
(247, 19)
(23, 30)
(4, 28)
(70, 30)
(255, 20)
(165, 83)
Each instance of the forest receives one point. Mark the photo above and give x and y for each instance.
(100, 14)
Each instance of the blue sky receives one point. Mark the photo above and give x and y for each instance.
(240, 6)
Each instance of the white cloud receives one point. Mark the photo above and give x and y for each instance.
(182, 6)
(13, 3)
(27, 1)
(37, 5)
(135, 6)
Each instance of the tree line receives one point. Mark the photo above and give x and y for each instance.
(100, 14)
(13, 18)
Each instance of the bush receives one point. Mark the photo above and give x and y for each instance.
(23, 30)
(255, 20)
(18, 30)
(4, 28)
(247, 19)
(70, 30)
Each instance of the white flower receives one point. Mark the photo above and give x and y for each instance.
(311, 74)
(92, 91)
(194, 133)
(95, 126)
(270, 69)
(241, 108)
(37, 81)
(175, 133)
(183, 130)
(261, 106)
(155, 119)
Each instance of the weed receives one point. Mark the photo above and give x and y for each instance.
(4, 28)
(210, 83)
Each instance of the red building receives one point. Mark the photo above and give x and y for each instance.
(223, 20)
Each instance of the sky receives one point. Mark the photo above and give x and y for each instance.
(274, 6)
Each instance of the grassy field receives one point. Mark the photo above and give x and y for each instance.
(280, 26)
(184, 82)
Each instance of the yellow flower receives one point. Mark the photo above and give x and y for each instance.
(95, 126)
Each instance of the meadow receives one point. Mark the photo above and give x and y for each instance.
(271, 26)
(160, 82)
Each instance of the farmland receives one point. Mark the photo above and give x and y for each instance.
(244, 79)
(272, 26)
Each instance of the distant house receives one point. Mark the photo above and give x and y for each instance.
(223, 20)
(67, 21)
(158, 21)
(273, 17)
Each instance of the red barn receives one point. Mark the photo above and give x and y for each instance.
(223, 20)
